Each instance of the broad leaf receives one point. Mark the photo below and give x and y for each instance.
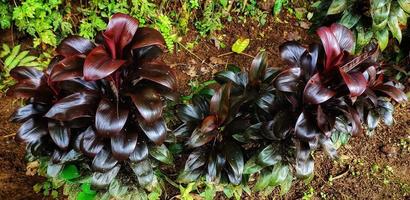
(74, 45)
(123, 145)
(240, 45)
(90, 144)
(104, 161)
(78, 105)
(315, 92)
(110, 118)
(59, 134)
(99, 64)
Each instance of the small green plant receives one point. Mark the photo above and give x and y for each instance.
(11, 58)
(43, 19)
(5, 14)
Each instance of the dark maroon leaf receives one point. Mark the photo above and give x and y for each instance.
(309, 61)
(195, 160)
(305, 129)
(234, 158)
(78, 84)
(158, 72)
(331, 46)
(102, 180)
(54, 61)
(258, 67)
(371, 96)
(119, 33)
(354, 119)
(57, 156)
(148, 102)
(352, 64)
(291, 52)
(355, 81)
(78, 105)
(99, 64)
(315, 92)
(90, 144)
(279, 127)
(325, 122)
(155, 131)
(67, 69)
(304, 161)
(145, 37)
(140, 152)
(203, 133)
(26, 112)
(123, 145)
(59, 134)
(344, 37)
(29, 82)
(26, 73)
(74, 45)
(216, 162)
(110, 118)
(189, 113)
(391, 91)
(219, 105)
(287, 81)
(104, 161)
(32, 130)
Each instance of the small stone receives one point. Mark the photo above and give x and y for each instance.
(390, 150)
(216, 61)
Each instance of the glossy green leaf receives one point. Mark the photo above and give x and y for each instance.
(382, 38)
(337, 6)
(162, 154)
(277, 7)
(263, 181)
(251, 166)
(85, 196)
(270, 155)
(405, 5)
(116, 189)
(279, 174)
(286, 184)
(394, 23)
(349, 19)
(70, 172)
(240, 45)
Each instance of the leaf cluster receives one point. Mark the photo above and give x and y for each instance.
(99, 104)
(46, 21)
(11, 58)
(268, 122)
(370, 19)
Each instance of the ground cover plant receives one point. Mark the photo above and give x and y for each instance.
(50, 21)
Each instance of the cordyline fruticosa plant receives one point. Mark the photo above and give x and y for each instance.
(103, 100)
(226, 129)
(369, 18)
(330, 90)
(270, 120)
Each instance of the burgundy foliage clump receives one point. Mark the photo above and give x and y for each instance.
(104, 100)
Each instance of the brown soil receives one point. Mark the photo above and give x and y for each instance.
(353, 177)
